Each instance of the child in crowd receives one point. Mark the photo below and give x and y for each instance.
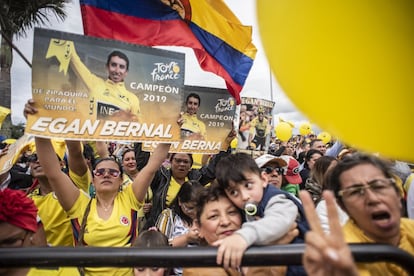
(176, 222)
(269, 211)
(150, 239)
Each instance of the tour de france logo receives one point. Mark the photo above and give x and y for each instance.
(165, 71)
(224, 105)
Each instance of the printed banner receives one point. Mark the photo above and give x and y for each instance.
(208, 115)
(88, 88)
(255, 124)
(14, 151)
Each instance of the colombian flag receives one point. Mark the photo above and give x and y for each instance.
(220, 42)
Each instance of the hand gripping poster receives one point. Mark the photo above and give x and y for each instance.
(87, 88)
(207, 116)
(255, 124)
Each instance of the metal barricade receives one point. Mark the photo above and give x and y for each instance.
(290, 254)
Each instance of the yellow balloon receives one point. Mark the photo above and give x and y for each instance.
(348, 66)
(283, 131)
(305, 129)
(325, 137)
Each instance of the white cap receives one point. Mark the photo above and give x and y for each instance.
(268, 159)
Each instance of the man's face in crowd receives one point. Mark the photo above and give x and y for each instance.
(117, 69)
(319, 145)
(192, 105)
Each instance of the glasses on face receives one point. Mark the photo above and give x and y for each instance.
(184, 161)
(103, 171)
(269, 170)
(32, 158)
(358, 191)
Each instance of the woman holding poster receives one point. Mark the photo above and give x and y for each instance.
(109, 218)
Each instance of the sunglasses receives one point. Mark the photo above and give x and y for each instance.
(103, 171)
(269, 170)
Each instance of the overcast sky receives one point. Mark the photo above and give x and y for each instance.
(258, 83)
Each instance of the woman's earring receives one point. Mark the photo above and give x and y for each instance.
(92, 191)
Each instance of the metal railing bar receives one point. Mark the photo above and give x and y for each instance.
(185, 257)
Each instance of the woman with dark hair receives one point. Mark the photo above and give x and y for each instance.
(310, 158)
(365, 188)
(167, 181)
(176, 222)
(109, 218)
(129, 165)
(217, 218)
(316, 181)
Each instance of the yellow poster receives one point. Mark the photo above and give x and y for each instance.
(254, 125)
(4, 111)
(87, 88)
(207, 118)
(14, 151)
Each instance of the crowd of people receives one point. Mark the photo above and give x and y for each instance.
(295, 193)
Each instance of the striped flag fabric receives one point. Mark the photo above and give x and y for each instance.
(220, 42)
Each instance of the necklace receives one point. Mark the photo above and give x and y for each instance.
(106, 208)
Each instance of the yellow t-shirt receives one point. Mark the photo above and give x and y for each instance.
(126, 180)
(61, 271)
(353, 234)
(173, 189)
(120, 230)
(54, 219)
(106, 95)
(191, 124)
(260, 129)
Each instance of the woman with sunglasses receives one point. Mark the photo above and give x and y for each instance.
(110, 218)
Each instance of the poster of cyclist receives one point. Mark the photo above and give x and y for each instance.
(207, 116)
(87, 88)
(255, 124)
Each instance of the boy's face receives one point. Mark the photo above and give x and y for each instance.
(250, 190)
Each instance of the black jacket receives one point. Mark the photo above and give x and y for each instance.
(161, 182)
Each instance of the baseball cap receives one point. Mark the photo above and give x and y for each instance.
(267, 159)
(292, 172)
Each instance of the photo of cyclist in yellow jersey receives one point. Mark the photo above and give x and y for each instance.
(192, 127)
(109, 99)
